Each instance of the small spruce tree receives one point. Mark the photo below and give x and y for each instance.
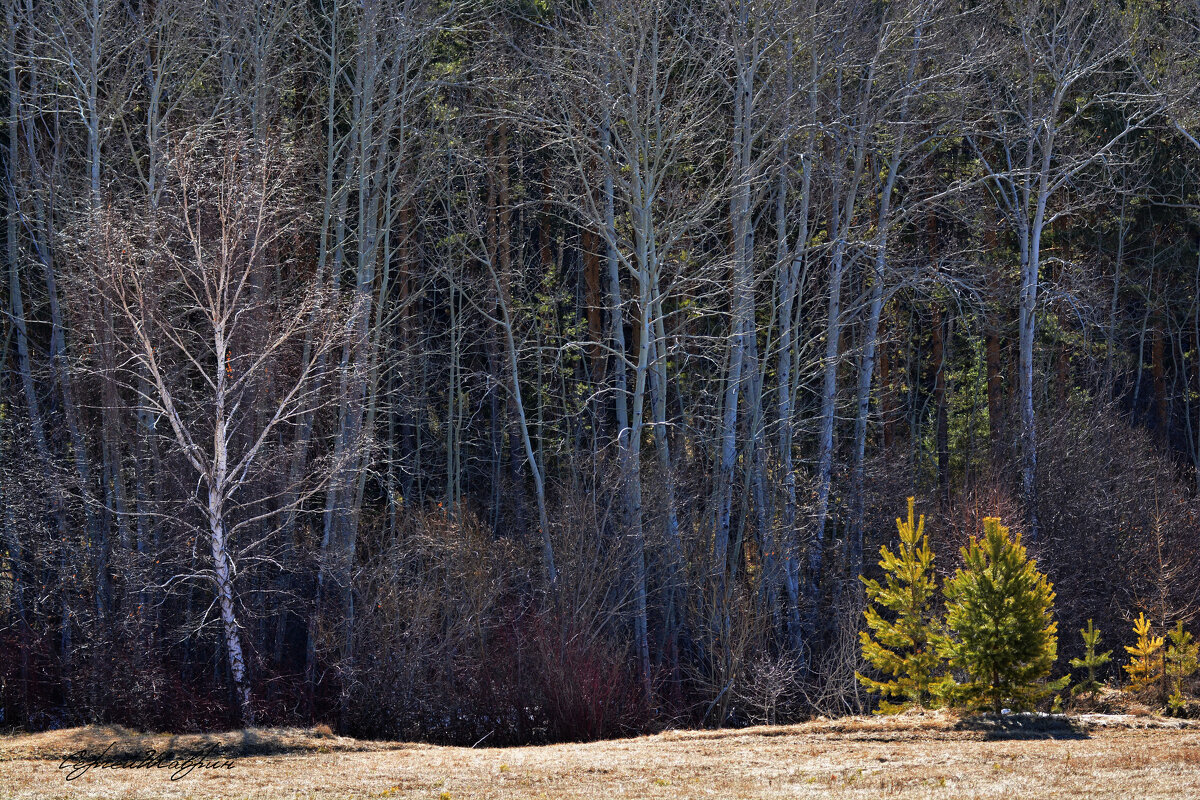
(902, 648)
(1091, 661)
(1146, 668)
(1000, 628)
(1183, 659)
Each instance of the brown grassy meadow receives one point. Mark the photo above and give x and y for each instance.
(912, 756)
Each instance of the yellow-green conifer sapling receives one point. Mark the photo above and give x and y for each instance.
(1091, 661)
(1183, 659)
(1146, 668)
(1000, 628)
(901, 644)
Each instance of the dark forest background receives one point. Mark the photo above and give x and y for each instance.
(548, 370)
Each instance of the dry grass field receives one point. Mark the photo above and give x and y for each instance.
(912, 756)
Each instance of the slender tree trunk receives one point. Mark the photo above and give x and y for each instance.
(628, 425)
(866, 369)
(886, 399)
(741, 317)
(845, 194)
(788, 277)
(941, 426)
(218, 492)
(523, 426)
(16, 309)
(1158, 381)
(1030, 278)
(1119, 260)
(675, 588)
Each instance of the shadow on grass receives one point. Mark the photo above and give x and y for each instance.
(1023, 726)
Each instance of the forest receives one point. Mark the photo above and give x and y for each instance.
(548, 370)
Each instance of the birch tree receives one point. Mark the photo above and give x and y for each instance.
(191, 322)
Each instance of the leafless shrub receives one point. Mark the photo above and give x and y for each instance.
(831, 688)
(766, 683)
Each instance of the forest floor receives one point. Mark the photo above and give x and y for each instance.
(933, 755)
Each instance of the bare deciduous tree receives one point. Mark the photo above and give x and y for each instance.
(217, 329)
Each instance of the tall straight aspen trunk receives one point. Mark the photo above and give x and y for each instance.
(16, 303)
(675, 589)
(504, 262)
(788, 279)
(845, 195)
(991, 332)
(866, 367)
(522, 436)
(741, 321)
(330, 257)
(16, 309)
(40, 227)
(629, 420)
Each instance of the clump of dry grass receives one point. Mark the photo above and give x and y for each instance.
(239, 743)
(1109, 700)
